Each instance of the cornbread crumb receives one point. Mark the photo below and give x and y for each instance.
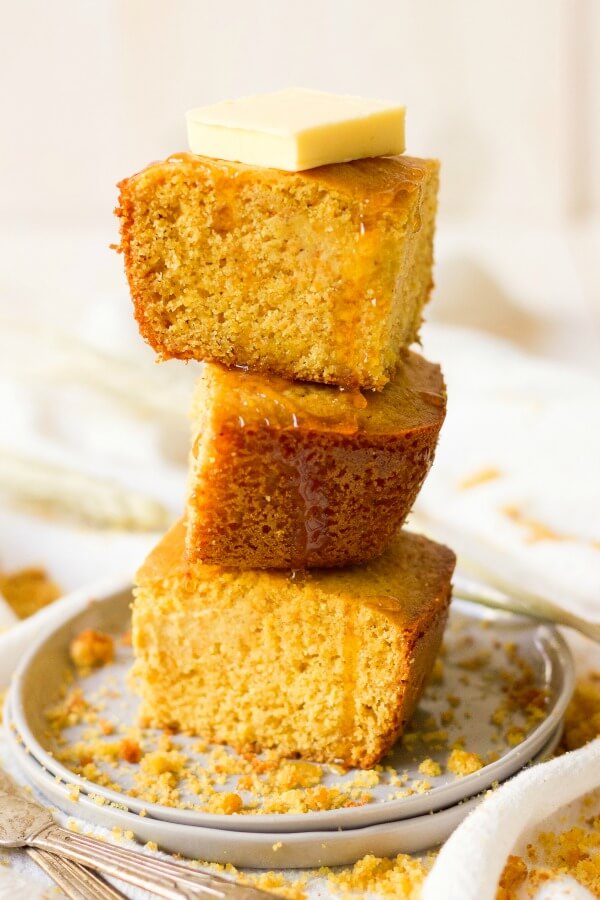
(130, 751)
(151, 845)
(513, 876)
(515, 735)
(461, 762)
(28, 590)
(400, 877)
(160, 762)
(430, 767)
(227, 803)
(421, 787)
(574, 852)
(437, 673)
(536, 530)
(91, 649)
(582, 718)
(482, 476)
(274, 882)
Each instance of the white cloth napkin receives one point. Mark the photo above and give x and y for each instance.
(471, 861)
(534, 426)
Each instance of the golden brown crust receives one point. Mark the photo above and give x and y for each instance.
(288, 475)
(407, 583)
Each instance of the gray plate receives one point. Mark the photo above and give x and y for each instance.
(472, 630)
(251, 849)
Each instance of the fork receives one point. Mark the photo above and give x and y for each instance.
(24, 823)
(74, 880)
(497, 595)
(475, 583)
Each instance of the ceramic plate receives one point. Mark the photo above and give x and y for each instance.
(251, 849)
(486, 655)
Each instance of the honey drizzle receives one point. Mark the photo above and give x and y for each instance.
(348, 313)
(386, 178)
(276, 403)
(311, 505)
(290, 413)
(350, 648)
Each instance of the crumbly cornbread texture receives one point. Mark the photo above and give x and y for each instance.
(328, 666)
(28, 590)
(292, 475)
(319, 275)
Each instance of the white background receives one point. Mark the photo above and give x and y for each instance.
(507, 94)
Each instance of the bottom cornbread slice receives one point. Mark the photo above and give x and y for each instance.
(327, 664)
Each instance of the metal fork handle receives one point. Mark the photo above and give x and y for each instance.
(496, 595)
(167, 879)
(75, 881)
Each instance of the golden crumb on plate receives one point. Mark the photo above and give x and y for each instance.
(28, 590)
(462, 762)
(91, 648)
(401, 876)
(430, 767)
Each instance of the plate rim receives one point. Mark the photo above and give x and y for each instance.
(436, 825)
(365, 816)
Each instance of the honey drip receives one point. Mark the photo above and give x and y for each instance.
(279, 403)
(311, 507)
(350, 648)
(433, 397)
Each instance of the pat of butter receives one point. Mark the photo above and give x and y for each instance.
(296, 129)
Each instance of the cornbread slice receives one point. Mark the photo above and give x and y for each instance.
(318, 275)
(328, 667)
(293, 475)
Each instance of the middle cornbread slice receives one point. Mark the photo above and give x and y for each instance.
(295, 475)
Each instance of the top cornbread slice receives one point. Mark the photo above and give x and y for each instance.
(319, 275)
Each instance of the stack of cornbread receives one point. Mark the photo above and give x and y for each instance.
(291, 250)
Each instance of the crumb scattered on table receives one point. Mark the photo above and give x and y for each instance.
(28, 590)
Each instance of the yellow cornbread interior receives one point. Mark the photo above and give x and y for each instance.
(320, 275)
(328, 665)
